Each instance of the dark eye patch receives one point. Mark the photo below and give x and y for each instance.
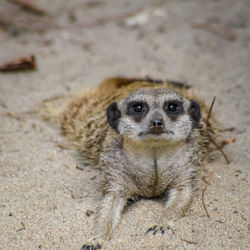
(137, 109)
(173, 108)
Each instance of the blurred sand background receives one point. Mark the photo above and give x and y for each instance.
(44, 191)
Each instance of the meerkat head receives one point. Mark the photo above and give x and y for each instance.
(154, 114)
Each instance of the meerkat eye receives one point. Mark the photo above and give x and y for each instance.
(173, 108)
(137, 109)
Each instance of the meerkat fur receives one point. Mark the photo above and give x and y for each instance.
(148, 137)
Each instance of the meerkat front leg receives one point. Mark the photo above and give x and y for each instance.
(107, 219)
(178, 201)
(109, 214)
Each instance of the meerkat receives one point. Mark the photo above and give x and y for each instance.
(148, 137)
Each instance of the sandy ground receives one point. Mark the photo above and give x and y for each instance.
(44, 195)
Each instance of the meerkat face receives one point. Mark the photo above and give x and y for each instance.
(154, 114)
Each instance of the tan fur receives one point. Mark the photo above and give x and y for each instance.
(84, 122)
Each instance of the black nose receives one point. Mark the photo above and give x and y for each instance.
(157, 125)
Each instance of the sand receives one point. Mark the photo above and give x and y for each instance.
(45, 191)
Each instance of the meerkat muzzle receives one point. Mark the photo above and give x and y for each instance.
(156, 124)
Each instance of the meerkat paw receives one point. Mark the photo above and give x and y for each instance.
(91, 247)
(94, 245)
(158, 229)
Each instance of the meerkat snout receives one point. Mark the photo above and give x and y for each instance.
(156, 124)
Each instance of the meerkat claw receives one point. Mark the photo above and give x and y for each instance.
(91, 246)
(157, 229)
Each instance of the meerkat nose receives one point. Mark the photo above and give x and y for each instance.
(156, 124)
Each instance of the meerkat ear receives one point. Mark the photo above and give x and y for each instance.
(113, 115)
(194, 112)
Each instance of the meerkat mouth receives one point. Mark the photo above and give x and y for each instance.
(157, 135)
